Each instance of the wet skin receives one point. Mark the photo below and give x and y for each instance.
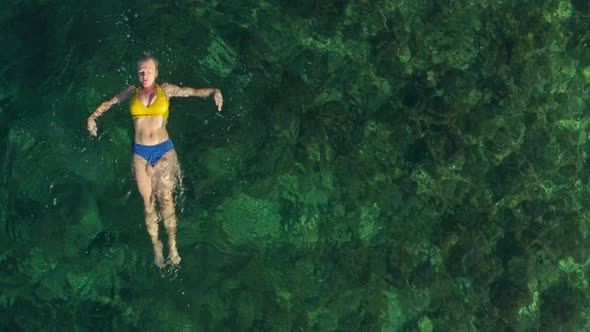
(156, 183)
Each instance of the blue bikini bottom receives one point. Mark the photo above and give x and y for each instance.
(152, 153)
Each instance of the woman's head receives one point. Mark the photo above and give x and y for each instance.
(147, 70)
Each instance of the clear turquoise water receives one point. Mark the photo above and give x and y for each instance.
(378, 166)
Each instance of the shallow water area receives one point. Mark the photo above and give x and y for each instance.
(378, 166)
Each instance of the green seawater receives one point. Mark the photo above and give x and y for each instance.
(386, 165)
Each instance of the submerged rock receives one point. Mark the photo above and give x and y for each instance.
(250, 221)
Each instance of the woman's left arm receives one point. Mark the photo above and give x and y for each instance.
(177, 91)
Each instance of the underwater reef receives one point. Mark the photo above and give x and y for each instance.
(385, 165)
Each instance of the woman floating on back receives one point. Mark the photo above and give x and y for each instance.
(154, 163)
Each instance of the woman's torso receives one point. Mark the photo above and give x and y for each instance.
(150, 112)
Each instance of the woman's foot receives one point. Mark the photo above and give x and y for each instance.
(174, 258)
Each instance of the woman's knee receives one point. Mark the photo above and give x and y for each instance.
(152, 226)
(149, 204)
(170, 225)
(167, 207)
(151, 218)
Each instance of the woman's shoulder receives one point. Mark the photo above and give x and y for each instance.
(126, 93)
(170, 89)
(167, 86)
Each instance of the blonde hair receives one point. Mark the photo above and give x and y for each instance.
(146, 57)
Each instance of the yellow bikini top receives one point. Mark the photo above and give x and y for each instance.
(158, 108)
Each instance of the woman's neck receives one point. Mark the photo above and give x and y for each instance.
(150, 88)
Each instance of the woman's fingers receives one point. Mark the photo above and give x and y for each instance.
(92, 127)
(219, 101)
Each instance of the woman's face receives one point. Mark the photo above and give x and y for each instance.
(147, 73)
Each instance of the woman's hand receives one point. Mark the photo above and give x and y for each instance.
(92, 127)
(218, 99)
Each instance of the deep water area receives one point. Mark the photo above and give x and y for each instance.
(379, 165)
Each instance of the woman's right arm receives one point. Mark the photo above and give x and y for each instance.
(104, 106)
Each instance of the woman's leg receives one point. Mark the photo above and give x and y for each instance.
(166, 177)
(143, 173)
